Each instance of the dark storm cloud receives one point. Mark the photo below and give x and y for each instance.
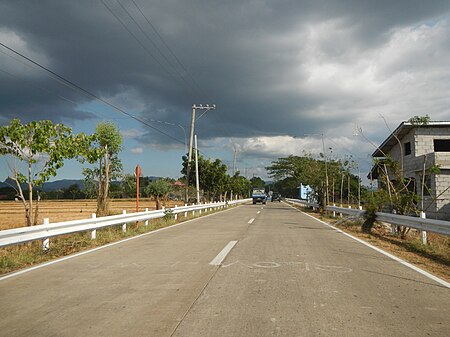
(244, 56)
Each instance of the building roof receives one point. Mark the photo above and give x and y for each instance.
(401, 131)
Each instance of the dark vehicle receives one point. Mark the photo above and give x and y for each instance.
(276, 197)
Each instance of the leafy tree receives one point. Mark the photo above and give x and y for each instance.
(104, 152)
(291, 171)
(213, 177)
(302, 170)
(158, 189)
(128, 186)
(89, 187)
(286, 187)
(41, 147)
(73, 192)
(240, 185)
(257, 182)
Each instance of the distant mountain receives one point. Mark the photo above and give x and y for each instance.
(48, 186)
(61, 184)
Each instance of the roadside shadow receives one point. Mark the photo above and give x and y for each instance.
(291, 226)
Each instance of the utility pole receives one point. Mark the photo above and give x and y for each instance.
(207, 107)
(234, 160)
(326, 172)
(197, 181)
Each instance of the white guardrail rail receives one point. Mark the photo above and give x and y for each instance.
(422, 224)
(48, 230)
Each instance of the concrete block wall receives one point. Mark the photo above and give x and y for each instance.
(424, 138)
(443, 193)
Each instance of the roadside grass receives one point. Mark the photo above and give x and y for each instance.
(21, 256)
(433, 257)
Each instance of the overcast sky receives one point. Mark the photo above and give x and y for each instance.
(280, 72)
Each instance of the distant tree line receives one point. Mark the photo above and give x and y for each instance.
(342, 186)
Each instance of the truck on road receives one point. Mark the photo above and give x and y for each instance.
(259, 195)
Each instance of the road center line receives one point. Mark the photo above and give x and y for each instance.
(217, 261)
(251, 220)
(258, 212)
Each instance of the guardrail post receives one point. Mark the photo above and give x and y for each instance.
(193, 212)
(423, 234)
(185, 213)
(175, 213)
(200, 210)
(124, 226)
(334, 212)
(394, 228)
(146, 221)
(94, 231)
(46, 241)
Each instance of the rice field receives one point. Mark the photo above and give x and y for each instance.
(12, 214)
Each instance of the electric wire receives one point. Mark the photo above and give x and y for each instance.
(99, 114)
(90, 94)
(169, 49)
(154, 44)
(201, 91)
(137, 39)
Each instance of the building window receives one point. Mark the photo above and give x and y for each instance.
(407, 148)
(441, 145)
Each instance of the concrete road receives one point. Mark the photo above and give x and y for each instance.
(288, 275)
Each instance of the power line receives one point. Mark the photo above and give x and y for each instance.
(169, 49)
(154, 44)
(124, 25)
(58, 95)
(88, 93)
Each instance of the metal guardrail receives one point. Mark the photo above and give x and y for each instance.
(350, 211)
(303, 202)
(48, 230)
(427, 225)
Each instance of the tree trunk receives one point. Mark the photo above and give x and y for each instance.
(102, 200)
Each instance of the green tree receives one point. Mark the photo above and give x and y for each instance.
(286, 187)
(41, 147)
(104, 152)
(89, 186)
(240, 185)
(128, 185)
(158, 189)
(213, 177)
(306, 170)
(73, 192)
(257, 182)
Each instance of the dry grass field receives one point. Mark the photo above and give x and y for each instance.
(12, 213)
